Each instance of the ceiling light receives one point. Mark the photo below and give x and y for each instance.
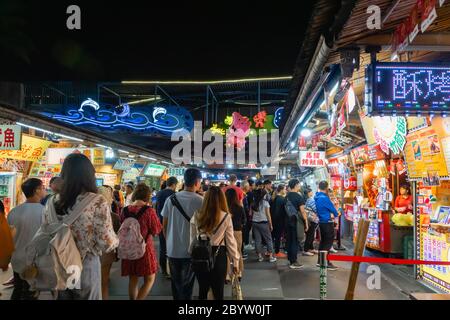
(292, 144)
(145, 157)
(169, 163)
(305, 133)
(123, 151)
(109, 154)
(49, 132)
(210, 82)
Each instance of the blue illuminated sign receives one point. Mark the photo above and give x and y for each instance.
(163, 120)
(407, 88)
(277, 117)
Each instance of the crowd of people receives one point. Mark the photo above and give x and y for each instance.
(119, 224)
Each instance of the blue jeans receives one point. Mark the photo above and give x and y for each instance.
(182, 278)
(292, 243)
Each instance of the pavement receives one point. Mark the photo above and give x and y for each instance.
(275, 281)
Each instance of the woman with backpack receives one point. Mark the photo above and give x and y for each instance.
(109, 258)
(212, 228)
(239, 220)
(92, 229)
(139, 224)
(262, 224)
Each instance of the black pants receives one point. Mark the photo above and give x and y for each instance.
(246, 231)
(310, 235)
(215, 279)
(162, 253)
(326, 236)
(277, 232)
(292, 243)
(182, 278)
(22, 289)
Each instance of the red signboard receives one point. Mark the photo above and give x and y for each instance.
(312, 158)
(366, 154)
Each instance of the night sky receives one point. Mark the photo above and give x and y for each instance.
(198, 40)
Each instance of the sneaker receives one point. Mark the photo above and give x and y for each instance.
(249, 247)
(280, 255)
(331, 267)
(333, 250)
(307, 254)
(273, 259)
(295, 265)
(314, 251)
(260, 259)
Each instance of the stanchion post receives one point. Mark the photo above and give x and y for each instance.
(323, 274)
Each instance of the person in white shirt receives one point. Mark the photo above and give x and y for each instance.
(128, 195)
(25, 221)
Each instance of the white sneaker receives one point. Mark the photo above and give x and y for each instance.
(260, 259)
(308, 254)
(333, 250)
(273, 259)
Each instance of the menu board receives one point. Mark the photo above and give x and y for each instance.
(108, 179)
(436, 248)
(424, 154)
(366, 154)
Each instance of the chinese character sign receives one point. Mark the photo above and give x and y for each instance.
(409, 88)
(10, 137)
(32, 149)
(312, 159)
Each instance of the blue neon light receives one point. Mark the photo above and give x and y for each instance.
(143, 119)
(409, 87)
(278, 116)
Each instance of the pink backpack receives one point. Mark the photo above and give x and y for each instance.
(132, 244)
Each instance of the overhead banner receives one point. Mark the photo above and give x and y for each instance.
(154, 170)
(312, 159)
(32, 149)
(58, 155)
(10, 137)
(124, 164)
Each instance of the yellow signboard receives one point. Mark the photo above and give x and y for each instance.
(32, 149)
(436, 248)
(98, 158)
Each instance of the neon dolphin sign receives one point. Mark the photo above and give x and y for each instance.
(89, 103)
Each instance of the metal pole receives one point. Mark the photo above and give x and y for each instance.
(323, 274)
(259, 96)
(207, 105)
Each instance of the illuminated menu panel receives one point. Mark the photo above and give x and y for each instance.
(408, 88)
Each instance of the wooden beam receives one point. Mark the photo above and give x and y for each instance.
(427, 39)
(363, 228)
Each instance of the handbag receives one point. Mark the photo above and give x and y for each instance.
(236, 290)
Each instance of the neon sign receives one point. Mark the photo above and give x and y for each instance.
(408, 88)
(277, 117)
(156, 120)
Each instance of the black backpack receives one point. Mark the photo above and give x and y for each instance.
(203, 257)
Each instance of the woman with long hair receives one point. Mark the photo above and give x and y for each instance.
(150, 226)
(93, 230)
(278, 215)
(238, 216)
(214, 220)
(262, 224)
